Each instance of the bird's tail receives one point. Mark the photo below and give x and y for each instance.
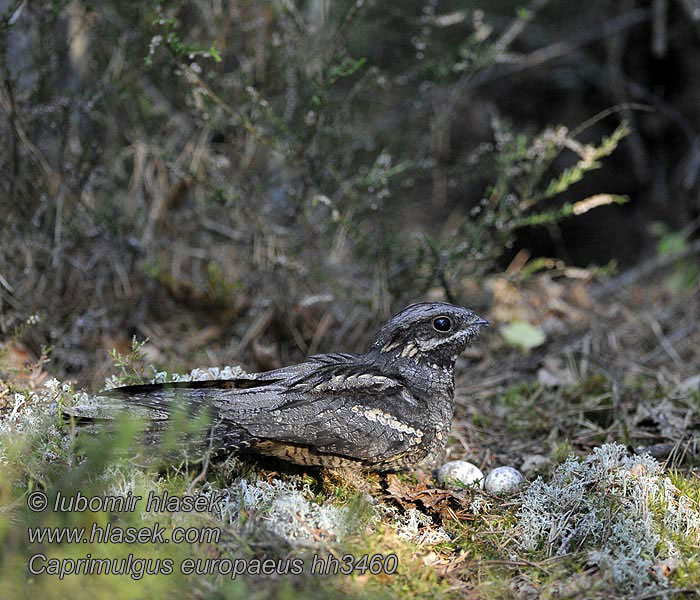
(177, 415)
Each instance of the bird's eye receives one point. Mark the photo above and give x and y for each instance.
(442, 323)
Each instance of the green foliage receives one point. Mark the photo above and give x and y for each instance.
(519, 164)
(131, 370)
(344, 67)
(589, 160)
(170, 36)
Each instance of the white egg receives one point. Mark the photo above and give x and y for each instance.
(503, 480)
(460, 471)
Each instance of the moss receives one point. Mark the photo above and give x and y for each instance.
(560, 452)
(413, 578)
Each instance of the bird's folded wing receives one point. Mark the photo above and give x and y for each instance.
(343, 378)
(359, 425)
(351, 409)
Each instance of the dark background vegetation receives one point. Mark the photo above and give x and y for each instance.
(256, 181)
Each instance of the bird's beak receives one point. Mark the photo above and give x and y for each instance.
(479, 321)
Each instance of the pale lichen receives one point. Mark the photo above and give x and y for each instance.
(617, 508)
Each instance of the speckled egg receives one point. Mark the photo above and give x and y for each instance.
(503, 480)
(457, 472)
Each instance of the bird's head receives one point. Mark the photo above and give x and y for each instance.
(434, 332)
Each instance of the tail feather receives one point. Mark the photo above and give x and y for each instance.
(156, 403)
(241, 383)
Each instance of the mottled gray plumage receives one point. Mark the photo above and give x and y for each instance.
(386, 409)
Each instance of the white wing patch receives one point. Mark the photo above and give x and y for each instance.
(362, 381)
(379, 416)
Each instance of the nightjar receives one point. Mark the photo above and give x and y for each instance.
(387, 409)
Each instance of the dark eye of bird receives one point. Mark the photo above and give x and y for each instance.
(442, 323)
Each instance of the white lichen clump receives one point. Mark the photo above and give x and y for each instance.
(412, 525)
(227, 372)
(287, 509)
(35, 412)
(614, 506)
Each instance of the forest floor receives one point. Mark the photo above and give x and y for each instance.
(592, 391)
